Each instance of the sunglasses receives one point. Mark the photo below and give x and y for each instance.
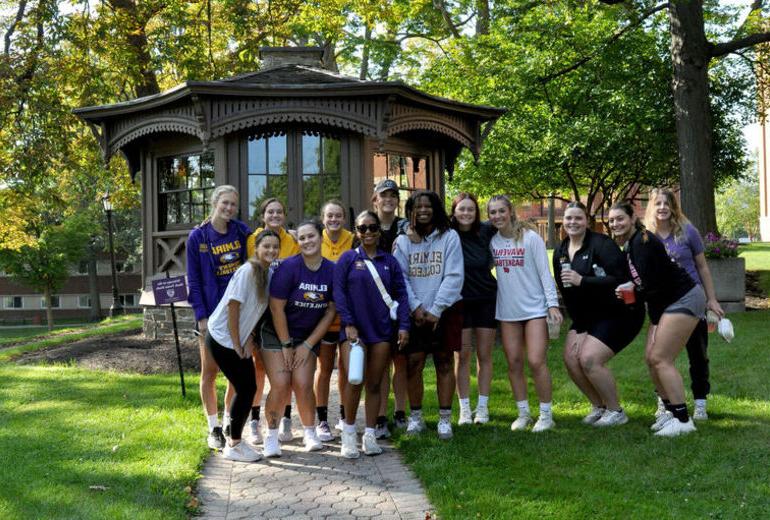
(371, 228)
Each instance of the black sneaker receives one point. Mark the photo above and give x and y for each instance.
(216, 440)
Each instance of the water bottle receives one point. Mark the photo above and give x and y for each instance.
(601, 273)
(356, 363)
(566, 266)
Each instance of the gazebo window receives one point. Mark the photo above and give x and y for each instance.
(268, 171)
(409, 172)
(185, 183)
(321, 172)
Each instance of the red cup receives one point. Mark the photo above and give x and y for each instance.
(628, 294)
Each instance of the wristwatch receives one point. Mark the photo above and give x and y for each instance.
(287, 344)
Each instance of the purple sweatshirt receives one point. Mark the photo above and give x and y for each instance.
(212, 259)
(359, 302)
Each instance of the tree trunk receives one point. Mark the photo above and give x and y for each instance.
(482, 16)
(48, 310)
(551, 223)
(364, 72)
(95, 314)
(690, 57)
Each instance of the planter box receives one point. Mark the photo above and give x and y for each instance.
(729, 275)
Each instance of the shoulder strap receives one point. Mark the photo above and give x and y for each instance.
(392, 305)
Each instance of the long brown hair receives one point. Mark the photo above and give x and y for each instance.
(261, 272)
(628, 208)
(519, 226)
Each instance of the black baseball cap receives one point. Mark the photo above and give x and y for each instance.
(385, 185)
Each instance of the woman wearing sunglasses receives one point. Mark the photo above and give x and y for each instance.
(371, 299)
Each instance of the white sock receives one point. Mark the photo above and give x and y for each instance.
(309, 430)
(545, 408)
(213, 421)
(523, 407)
(700, 403)
(483, 400)
(272, 433)
(465, 403)
(226, 419)
(445, 414)
(349, 428)
(416, 415)
(368, 430)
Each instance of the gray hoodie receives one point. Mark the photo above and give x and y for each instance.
(433, 270)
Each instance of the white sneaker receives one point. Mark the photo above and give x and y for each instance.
(444, 429)
(544, 422)
(349, 449)
(340, 426)
(272, 447)
(241, 452)
(369, 443)
(700, 412)
(381, 431)
(466, 417)
(595, 414)
(324, 432)
(521, 423)
(284, 430)
(612, 418)
(661, 421)
(661, 408)
(482, 415)
(674, 427)
(255, 431)
(311, 441)
(415, 426)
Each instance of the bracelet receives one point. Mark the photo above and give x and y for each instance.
(287, 344)
(307, 345)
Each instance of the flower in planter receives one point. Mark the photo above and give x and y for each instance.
(716, 246)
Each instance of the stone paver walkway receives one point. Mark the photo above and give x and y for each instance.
(321, 484)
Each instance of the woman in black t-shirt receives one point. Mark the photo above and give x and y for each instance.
(479, 299)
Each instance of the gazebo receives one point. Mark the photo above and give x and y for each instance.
(291, 130)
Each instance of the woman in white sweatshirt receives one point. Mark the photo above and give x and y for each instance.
(526, 295)
(432, 261)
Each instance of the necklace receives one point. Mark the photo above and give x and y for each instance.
(315, 266)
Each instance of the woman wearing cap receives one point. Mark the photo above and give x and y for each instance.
(379, 325)
(302, 307)
(479, 299)
(273, 215)
(230, 340)
(684, 245)
(587, 267)
(336, 240)
(432, 261)
(385, 202)
(675, 304)
(215, 250)
(526, 295)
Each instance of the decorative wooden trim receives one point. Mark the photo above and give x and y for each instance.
(405, 118)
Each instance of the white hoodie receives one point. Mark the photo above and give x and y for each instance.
(433, 270)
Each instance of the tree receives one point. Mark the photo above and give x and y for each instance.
(692, 52)
(737, 206)
(40, 249)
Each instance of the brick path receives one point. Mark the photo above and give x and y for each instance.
(320, 484)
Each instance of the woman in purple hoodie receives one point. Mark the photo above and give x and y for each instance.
(365, 316)
(215, 250)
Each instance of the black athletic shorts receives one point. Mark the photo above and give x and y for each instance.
(615, 332)
(479, 314)
(446, 337)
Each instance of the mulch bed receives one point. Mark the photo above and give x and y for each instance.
(125, 352)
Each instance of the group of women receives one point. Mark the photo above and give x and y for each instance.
(276, 303)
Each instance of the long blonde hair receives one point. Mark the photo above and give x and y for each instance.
(519, 226)
(215, 196)
(678, 219)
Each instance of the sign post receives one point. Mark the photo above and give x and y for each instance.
(167, 291)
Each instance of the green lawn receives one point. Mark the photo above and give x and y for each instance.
(577, 471)
(757, 256)
(63, 430)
